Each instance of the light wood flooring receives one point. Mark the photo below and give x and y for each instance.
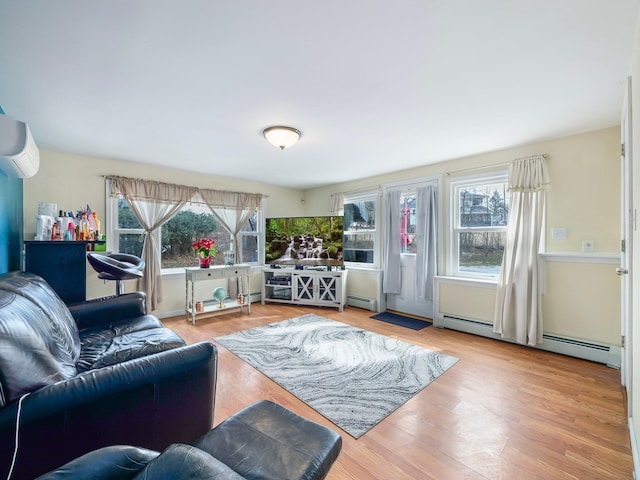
(502, 412)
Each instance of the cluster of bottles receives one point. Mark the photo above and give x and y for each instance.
(85, 225)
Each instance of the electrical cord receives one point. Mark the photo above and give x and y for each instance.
(15, 450)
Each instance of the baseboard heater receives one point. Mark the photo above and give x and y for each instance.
(361, 302)
(609, 355)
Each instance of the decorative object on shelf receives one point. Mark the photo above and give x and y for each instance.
(220, 294)
(282, 137)
(199, 306)
(230, 256)
(205, 249)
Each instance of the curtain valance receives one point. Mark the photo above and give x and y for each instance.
(528, 174)
(152, 190)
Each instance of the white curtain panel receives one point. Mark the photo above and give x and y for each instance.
(153, 204)
(426, 221)
(336, 206)
(391, 280)
(233, 209)
(518, 312)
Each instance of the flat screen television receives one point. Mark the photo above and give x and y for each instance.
(304, 241)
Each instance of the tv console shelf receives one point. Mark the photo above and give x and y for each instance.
(212, 307)
(322, 288)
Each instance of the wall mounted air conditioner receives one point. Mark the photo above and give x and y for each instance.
(19, 155)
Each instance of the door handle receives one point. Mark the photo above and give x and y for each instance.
(621, 271)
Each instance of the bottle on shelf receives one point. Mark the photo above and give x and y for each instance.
(96, 222)
(70, 233)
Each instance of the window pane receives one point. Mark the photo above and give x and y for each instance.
(179, 233)
(483, 205)
(252, 223)
(407, 224)
(359, 216)
(126, 218)
(358, 247)
(481, 252)
(130, 243)
(248, 249)
(359, 231)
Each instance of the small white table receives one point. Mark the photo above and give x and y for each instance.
(210, 305)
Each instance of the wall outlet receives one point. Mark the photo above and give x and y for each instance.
(587, 245)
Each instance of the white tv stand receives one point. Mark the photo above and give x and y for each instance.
(321, 288)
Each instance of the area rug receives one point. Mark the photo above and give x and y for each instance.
(402, 320)
(353, 377)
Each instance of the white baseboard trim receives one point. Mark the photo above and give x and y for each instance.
(609, 355)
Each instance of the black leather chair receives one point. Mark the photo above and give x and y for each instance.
(264, 441)
(117, 267)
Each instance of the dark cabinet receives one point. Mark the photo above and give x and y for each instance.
(62, 264)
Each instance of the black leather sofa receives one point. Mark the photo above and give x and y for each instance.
(265, 441)
(97, 373)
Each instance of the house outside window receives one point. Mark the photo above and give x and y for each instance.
(479, 217)
(408, 222)
(361, 234)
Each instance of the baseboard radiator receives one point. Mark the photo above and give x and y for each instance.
(361, 302)
(596, 352)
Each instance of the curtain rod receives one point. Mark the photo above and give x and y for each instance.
(493, 165)
(363, 189)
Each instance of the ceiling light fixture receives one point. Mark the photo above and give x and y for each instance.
(281, 137)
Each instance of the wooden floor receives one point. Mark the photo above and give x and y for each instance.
(502, 412)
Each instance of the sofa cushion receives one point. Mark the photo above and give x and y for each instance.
(103, 350)
(183, 462)
(30, 357)
(55, 319)
(120, 327)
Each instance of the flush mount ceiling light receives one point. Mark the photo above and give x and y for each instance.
(281, 137)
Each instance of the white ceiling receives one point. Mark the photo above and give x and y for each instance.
(374, 85)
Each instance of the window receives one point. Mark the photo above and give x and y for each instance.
(177, 235)
(360, 229)
(408, 222)
(479, 215)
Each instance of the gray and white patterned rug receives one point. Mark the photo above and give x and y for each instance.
(353, 377)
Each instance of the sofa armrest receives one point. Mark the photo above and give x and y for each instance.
(120, 462)
(150, 402)
(109, 309)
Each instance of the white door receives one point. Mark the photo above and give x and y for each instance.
(407, 300)
(627, 227)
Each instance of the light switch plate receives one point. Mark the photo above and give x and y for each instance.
(559, 233)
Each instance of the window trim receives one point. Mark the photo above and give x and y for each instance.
(452, 231)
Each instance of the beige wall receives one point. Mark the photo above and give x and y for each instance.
(584, 198)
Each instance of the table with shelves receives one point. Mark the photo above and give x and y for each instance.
(211, 306)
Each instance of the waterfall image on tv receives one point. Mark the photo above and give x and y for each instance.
(306, 241)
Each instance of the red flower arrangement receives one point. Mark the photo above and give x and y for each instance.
(205, 248)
